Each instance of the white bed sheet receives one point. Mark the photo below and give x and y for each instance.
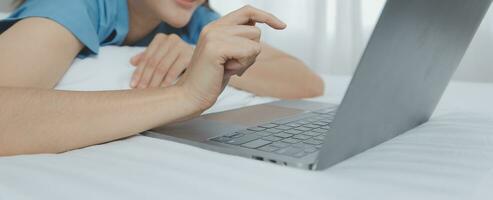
(450, 157)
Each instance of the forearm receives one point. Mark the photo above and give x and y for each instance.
(282, 77)
(48, 121)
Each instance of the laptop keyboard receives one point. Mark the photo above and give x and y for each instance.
(295, 137)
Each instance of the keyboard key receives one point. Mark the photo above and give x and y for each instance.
(274, 130)
(320, 137)
(321, 123)
(312, 126)
(268, 125)
(283, 135)
(256, 144)
(256, 128)
(246, 131)
(312, 120)
(221, 139)
(313, 141)
(272, 138)
(301, 137)
(268, 148)
(234, 135)
(291, 141)
(302, 128)
(263, 133)
(293, 124)
(280, 144)
(292, 131)
(319, 130)
(311, 133)
(289, 151)
(303, 122)
(319, 118)
(244, 139)
(282, 127)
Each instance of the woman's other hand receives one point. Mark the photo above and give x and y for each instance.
(160, 65)
(226, 47)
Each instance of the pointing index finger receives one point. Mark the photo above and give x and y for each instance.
(250, 15)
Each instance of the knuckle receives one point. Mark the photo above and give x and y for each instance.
(160, 37)
(206, 32)
(174, 37)
(210, 31)
(208, 39)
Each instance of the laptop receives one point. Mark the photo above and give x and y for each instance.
(409, 60)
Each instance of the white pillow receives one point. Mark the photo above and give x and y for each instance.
(111, 70)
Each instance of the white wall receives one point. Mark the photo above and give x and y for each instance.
(330, 35)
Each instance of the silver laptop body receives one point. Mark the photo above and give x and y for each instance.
(413, 52)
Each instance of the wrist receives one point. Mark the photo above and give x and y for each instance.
(192, 100)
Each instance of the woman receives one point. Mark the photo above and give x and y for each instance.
(41, 38)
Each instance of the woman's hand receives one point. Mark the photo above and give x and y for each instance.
(226, 47)
(160, 65)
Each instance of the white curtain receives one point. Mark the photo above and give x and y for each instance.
(330, 35)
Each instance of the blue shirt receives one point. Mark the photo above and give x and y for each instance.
(99, 23)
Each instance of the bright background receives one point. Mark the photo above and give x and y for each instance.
(330, 35)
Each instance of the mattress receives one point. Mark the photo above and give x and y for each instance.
(450, 157)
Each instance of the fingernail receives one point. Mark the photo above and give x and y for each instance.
(284, 25)
(133, 83)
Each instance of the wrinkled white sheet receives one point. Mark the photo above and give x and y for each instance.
(450, 157)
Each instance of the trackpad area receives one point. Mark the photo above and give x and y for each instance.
(253, 115)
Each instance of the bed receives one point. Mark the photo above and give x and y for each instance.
(450, 157)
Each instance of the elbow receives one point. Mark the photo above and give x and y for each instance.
(310, 87)
(315, 87)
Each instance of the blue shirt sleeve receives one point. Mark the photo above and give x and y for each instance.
(93, 22)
